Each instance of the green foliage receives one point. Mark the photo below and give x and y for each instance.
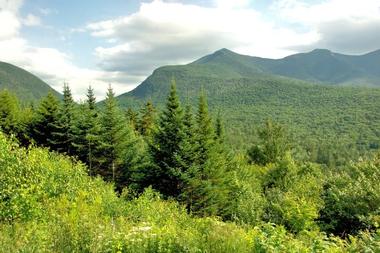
(63, 135)
(86, 132)
(45, 120)
(222, 203)
(341, 120)
(26, 86)
(294, 194)
(165, 150)
(146, 123)
(352, 198)
(207, 179)
(272, 147)
(49, 204)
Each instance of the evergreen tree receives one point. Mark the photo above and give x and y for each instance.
(205, 135)
(207, 181)
(272, 145)
(62, 136)
(147, 120)
(119, 153)
(188, 146)
(111, 137)
(219, 130)
(86, 130)
(132, 117)
(9, 112)
(45, 120)
(166, 149)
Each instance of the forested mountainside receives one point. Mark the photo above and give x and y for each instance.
(26, 86)
(246, 96)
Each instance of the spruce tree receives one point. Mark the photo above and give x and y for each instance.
(272, 145)
(45, 120)
(166, 149)
(86, 131)
(219, 129)
(111, 136)
(207, 187)
(62, 136)
(147, 119)
(119, 154)
(132, 118)
(9, 113)
(188, 146)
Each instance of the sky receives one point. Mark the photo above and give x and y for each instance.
(121, 42)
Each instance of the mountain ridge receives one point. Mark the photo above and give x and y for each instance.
(247, 94)
(25, 85)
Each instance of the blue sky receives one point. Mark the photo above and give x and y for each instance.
(121, 42)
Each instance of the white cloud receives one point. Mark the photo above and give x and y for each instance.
(228, 4)
(9, 24)
(162, 33)
(32, 20)
(50, 64)
(169, 32)
(347, 26)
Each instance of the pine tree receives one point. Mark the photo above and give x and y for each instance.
(45, 120)
(166, 149)
(62, 136)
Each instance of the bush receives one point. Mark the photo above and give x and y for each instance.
(352, 199)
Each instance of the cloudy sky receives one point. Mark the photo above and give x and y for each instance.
(121, 42)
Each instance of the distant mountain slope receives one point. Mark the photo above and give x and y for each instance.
(242, 88)
(25, 85)
(319, 65)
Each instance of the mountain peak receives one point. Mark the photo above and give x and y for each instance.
(321, 51)
(216, 56)
(223, 51)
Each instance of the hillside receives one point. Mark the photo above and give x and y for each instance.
(247, 96)
(319, 65)
(25, 85)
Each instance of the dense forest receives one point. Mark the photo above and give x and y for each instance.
(97, 178)
(332, 122)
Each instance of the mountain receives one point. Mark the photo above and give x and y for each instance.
(319, 65)
(248, 90)
(25, 85)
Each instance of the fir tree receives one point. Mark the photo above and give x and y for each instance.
(147, 120)
(119, 153)
(86, 131)
(205, 135)
(132, 118)
(219, 130)
(62, 136)
(188, 146)
(166, 149)
(45, 120)
(207, 180)
(9, 112)
(272, 145)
